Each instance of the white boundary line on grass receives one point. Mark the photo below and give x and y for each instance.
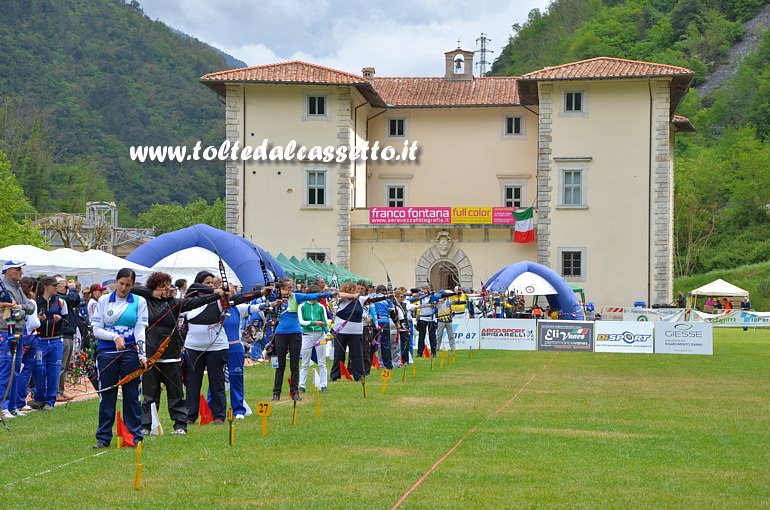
(473, 429)
(55, 468)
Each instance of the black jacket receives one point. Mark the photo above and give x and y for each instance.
(72, 298)
(163, 316)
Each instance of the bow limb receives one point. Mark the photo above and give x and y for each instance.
(387, 274)
(151, 361)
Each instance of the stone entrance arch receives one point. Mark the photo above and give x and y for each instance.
(444, 255)
(444, 275)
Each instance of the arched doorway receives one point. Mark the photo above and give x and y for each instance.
(443, 264)
(444, 275)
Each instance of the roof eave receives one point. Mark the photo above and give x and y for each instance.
(483, 105)
(680, 86)
(366, 89)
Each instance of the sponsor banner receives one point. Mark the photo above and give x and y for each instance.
(466, 333)
(684, 338)
(625, 337)
(733, 318)
(410, 215)
(649, 314)
(508, 334)
(472, 215)
(503, 216)
(565, 336)
(442, 215)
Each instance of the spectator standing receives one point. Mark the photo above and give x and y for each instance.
(96, 292)
(745, 303)
(52, 310)
(66, 291)
(12, 300)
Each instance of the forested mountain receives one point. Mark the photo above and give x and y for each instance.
(83, 80)
(722, 180)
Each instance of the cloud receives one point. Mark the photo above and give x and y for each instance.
(398, 38)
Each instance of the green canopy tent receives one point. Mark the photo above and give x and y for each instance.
(310, 269)
(579, 290)
(307, 270)
(301, 264)
(291, 269)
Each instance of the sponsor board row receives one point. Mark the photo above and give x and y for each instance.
(723, 318)
(601, 336)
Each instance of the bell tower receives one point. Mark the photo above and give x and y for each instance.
(459, 64)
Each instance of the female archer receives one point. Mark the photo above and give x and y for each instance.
(163, 310)
(119, 324)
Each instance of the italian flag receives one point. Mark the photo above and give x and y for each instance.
(525, 226)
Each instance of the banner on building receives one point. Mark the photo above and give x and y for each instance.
(565, 336)
(508, 334)
(441, 216)
(624, 337)
(684, 338)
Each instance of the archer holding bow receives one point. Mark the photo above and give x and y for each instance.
(163, 315)
(119, 324)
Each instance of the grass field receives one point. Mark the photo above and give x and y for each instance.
(535, 430)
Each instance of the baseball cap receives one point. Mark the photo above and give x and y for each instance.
(97, 286)
(13, 263)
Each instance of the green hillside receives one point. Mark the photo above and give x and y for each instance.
(81, 81)
(755, 278)
(722, 182)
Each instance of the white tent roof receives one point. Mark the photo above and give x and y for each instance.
(108, 261)
(531, 284)
(43, 262)
(188, 262)
(720, 288)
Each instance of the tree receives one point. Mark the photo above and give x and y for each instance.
(72, 229)
(169, 217)
(13, 203)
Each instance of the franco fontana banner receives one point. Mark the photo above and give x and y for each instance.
(442, 215)
(565, 336)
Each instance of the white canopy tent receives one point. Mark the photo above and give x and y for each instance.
(42, 262)
(188, 262)
(531, 284)
(111, 264)
(719, 288)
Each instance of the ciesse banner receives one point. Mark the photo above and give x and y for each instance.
(684, 338)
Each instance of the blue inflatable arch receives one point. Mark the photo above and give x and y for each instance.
(565, 300)
(240, 254)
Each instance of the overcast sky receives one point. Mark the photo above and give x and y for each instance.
(398, 38)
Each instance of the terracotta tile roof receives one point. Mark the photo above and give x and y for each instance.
(606, 67)
(438, 92)
(286, 72)
(294, 72)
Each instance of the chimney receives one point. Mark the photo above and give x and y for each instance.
(368, 73)
(459, 65)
